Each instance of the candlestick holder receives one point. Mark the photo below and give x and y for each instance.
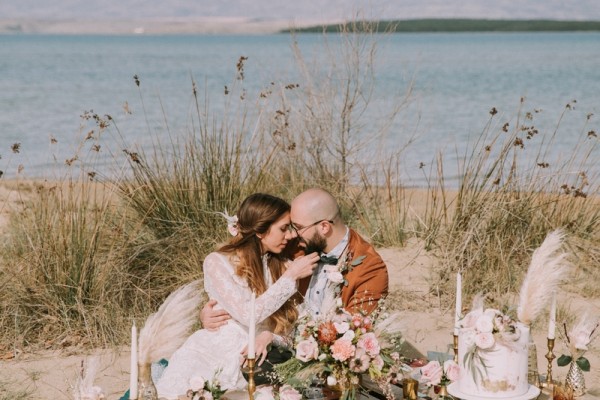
(550, 357)
(455, 337)
(250, 369)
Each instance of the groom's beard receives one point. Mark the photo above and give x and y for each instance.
(316, 243)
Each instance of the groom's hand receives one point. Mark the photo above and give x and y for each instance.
(213, 319)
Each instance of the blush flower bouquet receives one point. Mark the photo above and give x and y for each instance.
(434, 373)
(337, 350)
(203, 389)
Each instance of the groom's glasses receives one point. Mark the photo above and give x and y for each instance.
(300, 229)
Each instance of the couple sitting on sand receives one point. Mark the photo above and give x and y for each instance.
(255, 261)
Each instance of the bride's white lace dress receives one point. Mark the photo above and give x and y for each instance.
(207, 352)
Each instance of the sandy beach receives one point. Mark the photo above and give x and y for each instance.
(50, 374)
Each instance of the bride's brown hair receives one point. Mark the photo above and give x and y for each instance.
(256, 215)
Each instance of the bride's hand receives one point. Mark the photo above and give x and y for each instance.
(262, 342)
(302, 266)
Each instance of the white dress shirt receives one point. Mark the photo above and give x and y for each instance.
(318, 282)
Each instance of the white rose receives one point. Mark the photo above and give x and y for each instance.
(484, 340)
(469, 320)
(485, 324)
(468, 337)
(492, 312)
(341, 327)
(331, 381)
(335, 276)
(349, 335)
(196, 383)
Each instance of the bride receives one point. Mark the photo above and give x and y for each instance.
(251, 262)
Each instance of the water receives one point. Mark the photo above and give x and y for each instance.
(47, 82)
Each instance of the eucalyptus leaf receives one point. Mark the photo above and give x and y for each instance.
(357, 261)
(564, 360)
(583, 363)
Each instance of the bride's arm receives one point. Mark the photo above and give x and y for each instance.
(233, 293)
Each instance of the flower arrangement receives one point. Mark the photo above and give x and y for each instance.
(202, 389)
(336, 350)
(285, 392)
(434, 373)
(482, 330)
(577, 342)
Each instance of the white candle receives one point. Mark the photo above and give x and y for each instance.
(251, 327)
(552, 319)
(458, 305)
(133, 377)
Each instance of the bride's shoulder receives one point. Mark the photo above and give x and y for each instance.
(218, 258)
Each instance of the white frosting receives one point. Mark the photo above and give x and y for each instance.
(505, 371)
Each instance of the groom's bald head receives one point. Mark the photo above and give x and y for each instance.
(314, 205)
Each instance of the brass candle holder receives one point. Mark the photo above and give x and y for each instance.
(455, 337)
(550, 357)
(251, 369)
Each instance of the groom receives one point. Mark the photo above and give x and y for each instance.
(318, 225)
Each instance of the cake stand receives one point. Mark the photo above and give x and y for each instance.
(532, 393)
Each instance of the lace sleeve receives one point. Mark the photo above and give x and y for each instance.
(233, 294)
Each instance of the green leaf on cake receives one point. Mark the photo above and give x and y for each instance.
(564, 360)
(583, 363)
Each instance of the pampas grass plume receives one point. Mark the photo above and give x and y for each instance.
(167, 329)
(547, 270)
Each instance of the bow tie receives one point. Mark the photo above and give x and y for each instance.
(329, 260)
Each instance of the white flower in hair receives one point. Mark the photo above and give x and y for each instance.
(232, 222)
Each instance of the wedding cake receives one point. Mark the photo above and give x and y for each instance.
(492, 354)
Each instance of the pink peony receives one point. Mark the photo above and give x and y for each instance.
(342, 349)
(369, 342)
(452, 370)
(484, 340)
(431, 374)
(307, 350)
(289, 393)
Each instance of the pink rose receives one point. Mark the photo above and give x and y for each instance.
(307, 350)
(484, 340)
(431, 374)
(452, 370)
(342, 349)
(289, 393)
(207, 395)
(369, 342)
(378, 363)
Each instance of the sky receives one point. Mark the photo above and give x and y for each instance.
(318, 10)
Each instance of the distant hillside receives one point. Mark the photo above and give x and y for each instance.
(461, 25)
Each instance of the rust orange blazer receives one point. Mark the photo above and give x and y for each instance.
(367, 282)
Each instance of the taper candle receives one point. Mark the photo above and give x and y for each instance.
(458, 305)
(552, 319)
(252, 327)
(133, 376)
